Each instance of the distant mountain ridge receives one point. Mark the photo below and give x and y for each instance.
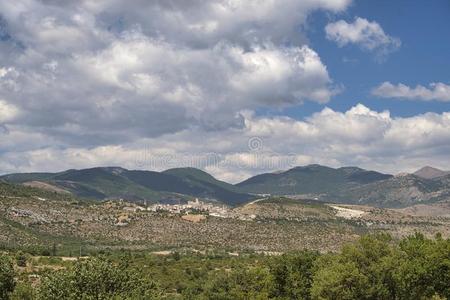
(398, 191)
(430, 173)
(354, 185)
(350, 185)
(115, 182)
(311, 179)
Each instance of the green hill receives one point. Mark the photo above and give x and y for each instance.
(351, 185)
(114, 182)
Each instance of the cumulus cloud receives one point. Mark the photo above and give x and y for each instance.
(359, 136)
(7, 112)
(95, 73)
(435, 92)
(161, 84)
(368, 35)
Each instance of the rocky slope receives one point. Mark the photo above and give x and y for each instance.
(353, 186)
(398, 191)
(30, 217)
(430, 173)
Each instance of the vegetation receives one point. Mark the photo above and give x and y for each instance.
(7, 282)
(44, 223)
(19, 191)
(97, 279)
(374, 267)
(312, 179)
(352, 185)
(113, 182)
(344, 185)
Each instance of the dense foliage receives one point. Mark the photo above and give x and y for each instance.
(7, 282)
(97, 279)
(374, 267)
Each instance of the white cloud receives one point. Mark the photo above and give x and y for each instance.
(435, 92)
(359, 136)
(94, 73)
(160, 84)
(7, 112)
(368, 35)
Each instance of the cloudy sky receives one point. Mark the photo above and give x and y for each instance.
(234, 87)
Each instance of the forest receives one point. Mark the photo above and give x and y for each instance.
(373, 267)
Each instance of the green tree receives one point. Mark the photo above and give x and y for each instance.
(7, 283)
(97, 279)
(21, 259)
(293, 274)
(363, 270)
(253, 283)
(340, 280)
(423, 268)
(23, 291)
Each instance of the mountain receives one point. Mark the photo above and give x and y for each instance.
(189, 181)
(114, 182)
(312, 179)
(430, 173)
(398, 191)
(352, 185)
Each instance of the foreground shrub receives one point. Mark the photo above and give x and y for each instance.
(97, 279)
(7, 283)
(254, 283)
(423, 268)
(293, 274)
(21, 259)
(374, 268)
(23, 291)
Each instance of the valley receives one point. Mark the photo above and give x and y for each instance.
(36, 218)
(206, 244)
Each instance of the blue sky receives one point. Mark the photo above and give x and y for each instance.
(261, 85)
(424, 56)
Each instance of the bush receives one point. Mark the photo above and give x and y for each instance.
(7, 283)
(253, 283)
(373, 268)
(21, 259)
(293, 274)
(423, 268)
(23, 291)
(97, 279)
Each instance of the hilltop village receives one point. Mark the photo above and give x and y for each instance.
(194, 210)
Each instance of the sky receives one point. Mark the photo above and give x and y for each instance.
(233, 87)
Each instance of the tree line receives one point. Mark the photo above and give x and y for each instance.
(373, 267)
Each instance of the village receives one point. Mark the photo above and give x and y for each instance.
(194, 210)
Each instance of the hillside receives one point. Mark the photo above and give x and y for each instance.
(349, 185)
(114, 182)
(31, 217)
(312, 179)
(398, 191)
(353, 186)
(430, 173)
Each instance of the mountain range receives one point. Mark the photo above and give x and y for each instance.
(350, 185)
(101, 183)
